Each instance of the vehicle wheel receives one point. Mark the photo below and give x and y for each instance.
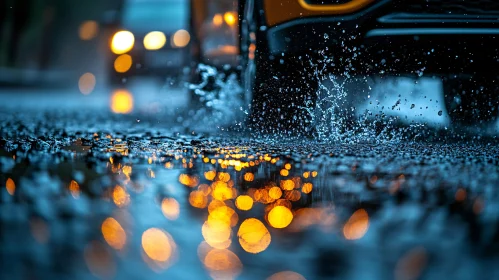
(278, 87)
(471, 100)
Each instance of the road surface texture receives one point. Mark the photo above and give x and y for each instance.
(87, 194)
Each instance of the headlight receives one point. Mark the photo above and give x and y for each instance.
(122, 42)
(181, 38)
(154, 40)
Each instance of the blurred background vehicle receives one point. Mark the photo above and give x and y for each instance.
(149, 37)
(216, 27)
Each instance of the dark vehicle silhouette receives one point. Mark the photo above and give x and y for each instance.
(454, 40)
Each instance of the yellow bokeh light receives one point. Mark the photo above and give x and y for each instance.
(287, 185)
(286, 275)
(307, 188)
(113, 233)
(181, 38)
(188, 180)
(217, 233)
(10, 186)
(123, 63)
(159, 248)
(222, 264)
(249, 177)
(154, 40)
(284, 172)
(170, 208)
(214, 204)
(198, 199)
(287, 166)
(221, 191)
(357, 226)
(74, 189)
(218, 20)
(122, 42)
(122, 102)
(127, 170)
(254, 237)
(86, 83)
(224, 177)
(88, 30)
(224, 214)
(210, 175)
(205, 189)
(280, 217)
(244, 202)
(275, 192)
(230, 18)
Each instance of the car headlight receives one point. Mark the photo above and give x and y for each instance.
(122, 42)
(154, 40)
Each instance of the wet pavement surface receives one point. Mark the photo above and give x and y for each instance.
(88, 195)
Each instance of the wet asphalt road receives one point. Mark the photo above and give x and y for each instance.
(88, 194)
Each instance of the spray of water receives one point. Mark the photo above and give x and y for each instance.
(333, 115)
(221, 98)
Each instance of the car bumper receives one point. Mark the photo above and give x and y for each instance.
(381, 35)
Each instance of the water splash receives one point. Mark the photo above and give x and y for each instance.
(221, 97)
(333, 114)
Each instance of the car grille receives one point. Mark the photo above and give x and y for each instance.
(462, 7)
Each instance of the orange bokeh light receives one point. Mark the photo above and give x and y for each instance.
(356, 227)
(286, 275)
(120, 196)
(158, 246)
(113, 233)
(170, 208)
(287, 185)
(307, 188)
(10, 186)
(123, 63)
(254, 237)
(88, 30)
(74, 189)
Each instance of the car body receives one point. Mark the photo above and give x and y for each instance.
(440, 38)
(150, 37)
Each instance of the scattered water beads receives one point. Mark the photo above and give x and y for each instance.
(221, 96)
(333, 114)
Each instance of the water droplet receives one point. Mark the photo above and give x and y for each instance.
(439, 113)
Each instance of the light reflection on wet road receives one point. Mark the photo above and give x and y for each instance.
(155, 206)
(138, 195)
